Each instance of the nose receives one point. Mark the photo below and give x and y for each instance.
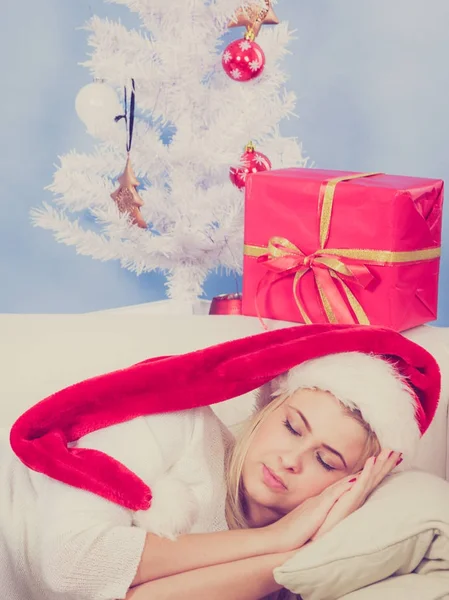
(292, 461)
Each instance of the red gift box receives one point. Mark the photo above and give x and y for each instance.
(329, 246)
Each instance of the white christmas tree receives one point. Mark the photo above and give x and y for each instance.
(193, 212)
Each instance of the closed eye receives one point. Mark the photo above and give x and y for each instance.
(290, 428)
(323, 464)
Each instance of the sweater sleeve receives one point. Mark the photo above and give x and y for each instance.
(87, 547)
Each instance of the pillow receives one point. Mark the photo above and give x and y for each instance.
(403, 528)
(406, 587)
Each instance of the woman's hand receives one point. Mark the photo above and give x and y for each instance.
(296, 528)
(373, 473)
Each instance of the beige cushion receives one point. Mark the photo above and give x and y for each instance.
(402, 528)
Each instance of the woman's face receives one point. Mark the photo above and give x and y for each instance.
(302, 447)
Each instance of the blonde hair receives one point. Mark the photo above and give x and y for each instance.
(235, 506)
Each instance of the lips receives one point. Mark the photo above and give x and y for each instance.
(272, 480)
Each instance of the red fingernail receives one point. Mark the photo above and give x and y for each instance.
(399, 461)
(391, 454)
(352, 480)
(375, 458)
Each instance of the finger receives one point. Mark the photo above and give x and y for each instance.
(341, 482)
(386, 460)
(342, 508)
(335, 492)
(324, 501)
(355, 492)
(346, 504)
(365, 479)
(376, 469)
(355, 496)
(385, 463)
(368, 471)
(316, 512)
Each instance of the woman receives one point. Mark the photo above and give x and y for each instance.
(122, 500)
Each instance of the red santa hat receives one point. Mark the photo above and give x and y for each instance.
(397, 387)
(365, 382)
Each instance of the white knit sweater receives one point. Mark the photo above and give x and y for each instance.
(61, 543)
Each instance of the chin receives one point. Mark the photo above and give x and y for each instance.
(263, 513)
(262, 496)
(259, 494)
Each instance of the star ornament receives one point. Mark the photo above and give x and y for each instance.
(126, 197)
(254, 16)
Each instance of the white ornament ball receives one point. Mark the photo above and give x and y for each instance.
(97, 105)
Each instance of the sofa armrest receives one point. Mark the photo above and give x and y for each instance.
(433, 455)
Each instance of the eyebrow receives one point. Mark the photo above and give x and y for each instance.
(309, 429)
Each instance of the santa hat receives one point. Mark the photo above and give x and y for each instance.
(42, 436)
(368, 383)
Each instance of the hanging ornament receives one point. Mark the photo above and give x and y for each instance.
(244, 60)
(254, 16)
(97, 104)
(251, 162)
(126, 196)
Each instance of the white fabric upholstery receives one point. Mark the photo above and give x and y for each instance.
(40, 354)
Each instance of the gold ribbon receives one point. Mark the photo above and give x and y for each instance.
(329, 265)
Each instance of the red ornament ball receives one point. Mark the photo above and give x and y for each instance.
(252, 162)
(243, 60)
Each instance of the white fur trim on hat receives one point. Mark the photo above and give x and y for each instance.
(362, 381)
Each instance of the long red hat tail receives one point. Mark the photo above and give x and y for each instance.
(41, 437)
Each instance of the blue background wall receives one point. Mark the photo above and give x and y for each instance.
(372, 80)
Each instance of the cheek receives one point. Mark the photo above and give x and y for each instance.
(310, 482)
(317, 482)
(266, 439)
